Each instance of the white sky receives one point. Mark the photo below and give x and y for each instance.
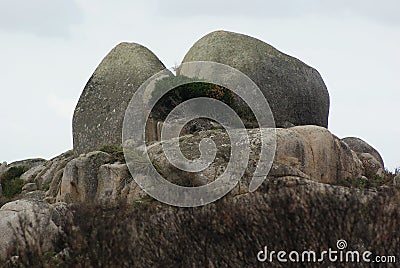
(50, 48)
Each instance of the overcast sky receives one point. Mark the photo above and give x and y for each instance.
(50, 48)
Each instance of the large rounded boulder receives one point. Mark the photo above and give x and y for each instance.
(295, 91)
(99, 114)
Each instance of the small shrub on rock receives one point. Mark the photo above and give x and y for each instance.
(116, 152)
(192, 88)
(11, 182)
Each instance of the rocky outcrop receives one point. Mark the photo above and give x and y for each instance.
(115, 185)
(360, 146)
(295, 91)
(31, 174)
(99, 114)
(317, 153)
(309, 152)
(80, 178)
(28, 163)
(46, 176)
(92, 178)
(44, 173)
(369, 156)
(29, 187)
(36, 218)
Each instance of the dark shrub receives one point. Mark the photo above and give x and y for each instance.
(228, 233)
(11, 183)
(116, 152)
(194, 89)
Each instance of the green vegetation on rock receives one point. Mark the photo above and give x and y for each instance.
(116, 152)
(193, 88)
(11, 182)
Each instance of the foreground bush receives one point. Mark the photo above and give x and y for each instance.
(228, 233)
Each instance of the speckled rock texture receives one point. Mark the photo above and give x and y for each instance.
(99, 114)
(295, 91)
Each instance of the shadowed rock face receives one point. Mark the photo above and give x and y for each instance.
(99, 115)
(295, 91)
(359, 146)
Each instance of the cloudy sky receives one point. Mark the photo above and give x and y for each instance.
(50, 48)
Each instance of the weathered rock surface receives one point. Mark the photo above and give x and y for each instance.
(115, 184)
(360, 146)
(309, 152)
(36, 195)
(28, 163)
(29, 187)
(372, 166)
(295, 91)
(91, 177)
(46, 175)
(40, 218)
(31, 174)
(99, 114)
(80, 178)
(317, 153)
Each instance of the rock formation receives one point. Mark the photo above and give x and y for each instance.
(39, 218)
(99, 114)
(295, 91)
(369, 156)
(315, 178)
(359, 146)
(309, 152)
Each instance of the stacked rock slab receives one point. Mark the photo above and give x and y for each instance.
(99, 114)
(295, 91)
